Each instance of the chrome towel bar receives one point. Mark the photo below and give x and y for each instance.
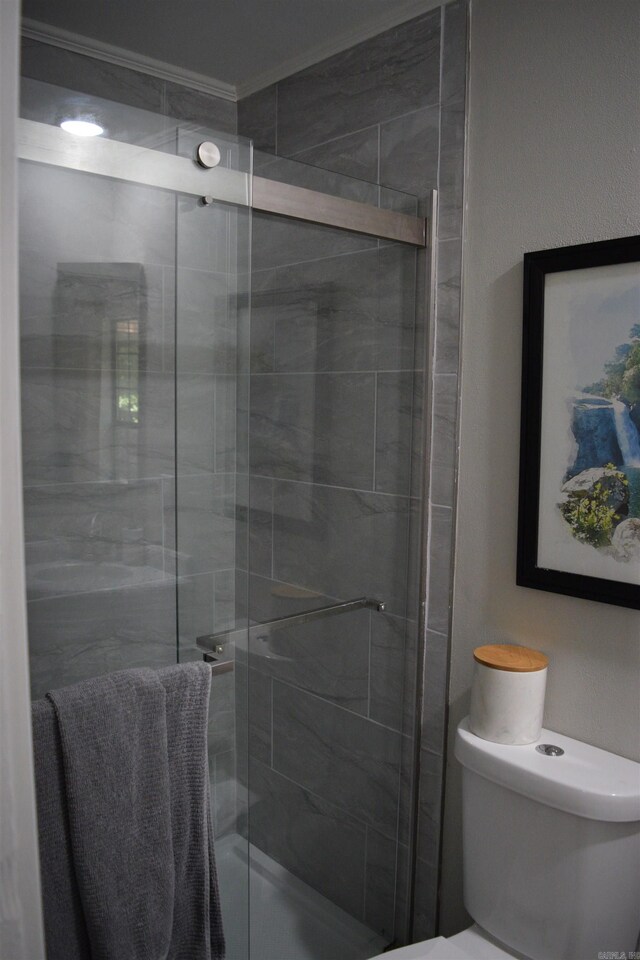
(213, 644)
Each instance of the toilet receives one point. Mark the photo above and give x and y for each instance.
(551, 852)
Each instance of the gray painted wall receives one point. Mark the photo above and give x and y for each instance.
(553, 160)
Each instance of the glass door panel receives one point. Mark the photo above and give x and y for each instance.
(334, 407)
(98, 400)
(130, 298)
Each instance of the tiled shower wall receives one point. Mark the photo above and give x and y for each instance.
(328, 475)
(392, 111)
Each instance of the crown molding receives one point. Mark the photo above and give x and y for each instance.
(402, 11)
(54, 36)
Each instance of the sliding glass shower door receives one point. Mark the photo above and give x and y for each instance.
(318, 609)
(129, 293)
(222, 421)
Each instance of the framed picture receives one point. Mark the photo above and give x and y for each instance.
(579, 513)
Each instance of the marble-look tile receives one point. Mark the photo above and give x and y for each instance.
(241, 598)
(264, 307)
(243, 383)
(242, 521)
(257, 118)
(386, 886)
(394, 329)
(392, 73)
(224, 615)
(77, 314)
(181, 103)
(253, 714)
(222, 714)
(426, 900)
(337, 755)
(328, 657)
(341, 543)
(314, 427)
(451, 176)
(439, 602)
(109, 522)
(206, 334)
(278, 241)
(305, 173)
(394, 418)
(42, 61)
(85, 635)
(205, 521)
(391, 684)
(72, 429)
(195, 599)
(444, 439)
(434, 692)
(447, 335)
(398, 201)
(409, 147)
(454, 52)
(66, 217)
(196, 421)
(309, 836)
(431, 769)
(223, 767)
(225, 424)
(202, 239)
(328, 314)
(354, 155)
(254, 524)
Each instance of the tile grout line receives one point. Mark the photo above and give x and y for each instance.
(359, 716)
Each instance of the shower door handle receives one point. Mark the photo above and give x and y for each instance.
(211, 642)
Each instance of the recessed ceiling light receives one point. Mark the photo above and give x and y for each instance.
(82, 128)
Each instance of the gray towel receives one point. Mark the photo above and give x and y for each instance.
(136, 782)
(64, 926)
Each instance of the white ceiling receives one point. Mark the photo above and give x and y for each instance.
(243, 43)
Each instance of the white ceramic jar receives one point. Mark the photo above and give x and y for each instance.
(507, 696)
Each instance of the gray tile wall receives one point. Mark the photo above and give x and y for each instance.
(391, 111)
(325, 517)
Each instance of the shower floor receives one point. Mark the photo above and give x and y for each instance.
(289, 920)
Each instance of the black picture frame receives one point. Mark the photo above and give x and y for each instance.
(538, 266)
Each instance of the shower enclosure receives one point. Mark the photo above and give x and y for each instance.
(223, 374)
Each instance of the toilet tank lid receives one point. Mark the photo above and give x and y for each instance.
(584, 780)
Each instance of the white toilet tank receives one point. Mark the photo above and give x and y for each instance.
(551, 846)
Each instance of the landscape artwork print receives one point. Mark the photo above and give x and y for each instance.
(584, 334)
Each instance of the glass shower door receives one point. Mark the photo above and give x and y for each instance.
(129, 296)
(328, 453)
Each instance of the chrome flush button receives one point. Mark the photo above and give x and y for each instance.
(549, 750)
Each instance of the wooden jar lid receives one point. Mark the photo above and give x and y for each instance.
(506, 656)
